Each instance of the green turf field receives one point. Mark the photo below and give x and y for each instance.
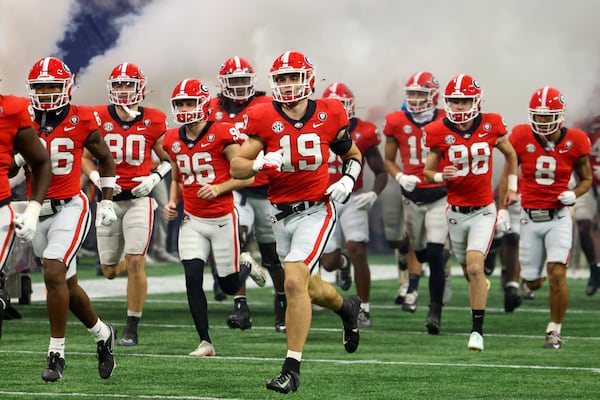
(396, 358)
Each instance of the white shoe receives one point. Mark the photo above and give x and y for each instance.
(204, 349)
(410, 301)
(257, 273)
(475, 342)
(150, 260)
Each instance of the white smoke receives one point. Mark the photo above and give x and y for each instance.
(511, 47)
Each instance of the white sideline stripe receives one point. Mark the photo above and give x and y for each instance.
(329, 361)
(100, 288)
(114, 396)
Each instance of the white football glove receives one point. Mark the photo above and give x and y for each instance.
(271, 160)
(117, 189)
(596, 171)
(26, 223)
(105, 214)
(94, 177)
(408, 182)
(19, 160)
(567, 197)
(146, 185)
(365, 201)
(503, 221)
(340, 190)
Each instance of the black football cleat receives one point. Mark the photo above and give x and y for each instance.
(55, 365)
(351, 336)
(106, 358)
(284, 382)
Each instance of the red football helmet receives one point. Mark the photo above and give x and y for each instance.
(49, 70)
(236, 79)
(547, 102)
(418, 84)
(190, 89)
(292, 62)
(463, 87)
(343, 93)
(126, 85)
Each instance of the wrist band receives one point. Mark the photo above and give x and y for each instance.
(438, 177)
(512, 182)
(108, 182)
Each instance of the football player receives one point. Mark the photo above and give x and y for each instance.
(353, 217)
(19, 137)
(549, 154)
(131, 133)
(238, 92)
(291, 138)
(462, 144)
(424, 203)
(66, 130)
(200, 152)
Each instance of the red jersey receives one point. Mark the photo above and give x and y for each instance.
(235, 115)
(364, 134)
(64, 137)
(592, 128)
(202, 160)
(471, 153)
(305, 145)
(15, 113)
(547, 170)
(131, 143)
(411, 143)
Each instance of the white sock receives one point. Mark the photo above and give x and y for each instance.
(366, 307)
(296, 355)
(99, 331)
(57, 345)
(137, 314)
(553, 326)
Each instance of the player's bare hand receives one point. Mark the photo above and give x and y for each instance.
(170, 211)
(207, 191)
(449, 172)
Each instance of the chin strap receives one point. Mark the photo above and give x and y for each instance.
(132, 114)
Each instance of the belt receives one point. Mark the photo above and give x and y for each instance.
(541, 214)
(124, 195)
(289, 209)
(466, 209)
(50, 206)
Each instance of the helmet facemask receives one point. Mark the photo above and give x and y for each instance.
(291, 92)
(461, 117)
(237, 86)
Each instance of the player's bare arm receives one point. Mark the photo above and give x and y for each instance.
(391, 150)
(583, 170)
(28, 144)
(175, 190)
(508, 189)
(431, 164)
(98, 148)
(241, 165)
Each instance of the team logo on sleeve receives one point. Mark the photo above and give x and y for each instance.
(211, 137)
(569, 144)
(322, 116)
(176, 147)
(147, 122)
(277, 127)
(74, 120)
(530, 148)
(449, 139)
(108, 126)
(487, 126)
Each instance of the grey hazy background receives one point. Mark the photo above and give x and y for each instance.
(512, 47)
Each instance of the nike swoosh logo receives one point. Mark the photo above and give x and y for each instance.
(204, 144)
(141, 128)
(482, 134)
(69, 128)
(317, 125)
(561, 151)
(222, 225)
